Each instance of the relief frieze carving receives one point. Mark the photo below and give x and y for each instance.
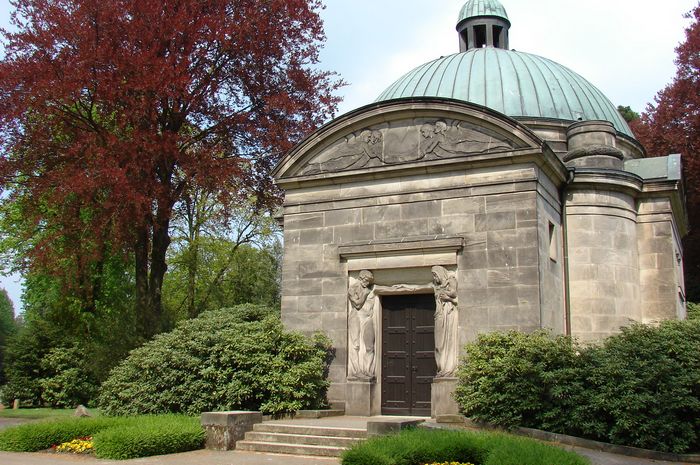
(413, 141)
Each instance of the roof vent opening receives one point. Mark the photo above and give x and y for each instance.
(480, 36)
(497, 31)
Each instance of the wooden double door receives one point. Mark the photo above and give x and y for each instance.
(408, 354)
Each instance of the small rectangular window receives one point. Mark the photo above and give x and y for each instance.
(553, 248)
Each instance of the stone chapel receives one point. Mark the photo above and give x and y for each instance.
(487, 190)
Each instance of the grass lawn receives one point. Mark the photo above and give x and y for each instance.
(38, 413)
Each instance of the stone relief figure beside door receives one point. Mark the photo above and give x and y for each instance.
(446, 321)
(364, 305)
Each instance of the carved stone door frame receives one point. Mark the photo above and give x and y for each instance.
(386, 258)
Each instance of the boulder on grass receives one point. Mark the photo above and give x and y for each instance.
(82, 411)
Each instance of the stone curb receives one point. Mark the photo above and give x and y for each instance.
(606, 447)
(580, 442)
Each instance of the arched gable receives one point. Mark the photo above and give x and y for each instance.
(405, 134)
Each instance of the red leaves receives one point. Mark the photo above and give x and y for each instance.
(123, 103)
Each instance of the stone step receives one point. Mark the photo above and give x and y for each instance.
(319, 413)
(286, 438)
(305, 430)
(292, 449)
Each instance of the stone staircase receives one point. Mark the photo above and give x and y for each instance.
(300, 439)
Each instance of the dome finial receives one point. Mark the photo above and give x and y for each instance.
(483, 23)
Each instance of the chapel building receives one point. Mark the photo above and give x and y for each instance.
(487, 190)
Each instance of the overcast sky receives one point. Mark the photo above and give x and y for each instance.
(624, 47)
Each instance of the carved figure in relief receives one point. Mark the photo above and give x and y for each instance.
(443, 141)
(359, 152)
(446, 321)
(362, 307)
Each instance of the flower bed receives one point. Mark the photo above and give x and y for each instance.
(76, 446)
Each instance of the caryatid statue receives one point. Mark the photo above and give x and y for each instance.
(446, 321)
(363, 304)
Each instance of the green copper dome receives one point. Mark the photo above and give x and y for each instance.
(475, 8)
(514, 83)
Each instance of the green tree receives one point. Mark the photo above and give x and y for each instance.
(7, 327)
(220, 258)
(627, 113)
(227, 275)
(130, 103)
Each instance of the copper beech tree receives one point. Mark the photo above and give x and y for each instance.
(110, 110)
(672, 125)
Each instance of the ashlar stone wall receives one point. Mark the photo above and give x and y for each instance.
(499, 214)
(660, 262)
(603, 262)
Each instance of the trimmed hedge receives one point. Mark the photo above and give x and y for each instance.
(152, 435)
(32, 437)
(419, 446)
(114, 438)
(639, 388)
(231, 359)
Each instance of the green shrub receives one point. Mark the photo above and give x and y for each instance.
(41, 435)
(238, 358)
(639, 388)
(68, 382)
(516, 379)
(150, 435)
(693, 311)
(418, 446)
(645, 388)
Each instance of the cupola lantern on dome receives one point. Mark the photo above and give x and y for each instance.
(483, 23)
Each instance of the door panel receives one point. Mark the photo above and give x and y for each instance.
(408, 358)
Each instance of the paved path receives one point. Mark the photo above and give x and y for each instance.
(203, 457)
(199, 457)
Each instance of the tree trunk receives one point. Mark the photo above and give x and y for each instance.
(141, 249)
(161, 242)
(192, 265)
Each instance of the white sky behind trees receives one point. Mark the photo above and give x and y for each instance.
(624, 47)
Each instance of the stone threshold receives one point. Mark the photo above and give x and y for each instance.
(320, 413)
